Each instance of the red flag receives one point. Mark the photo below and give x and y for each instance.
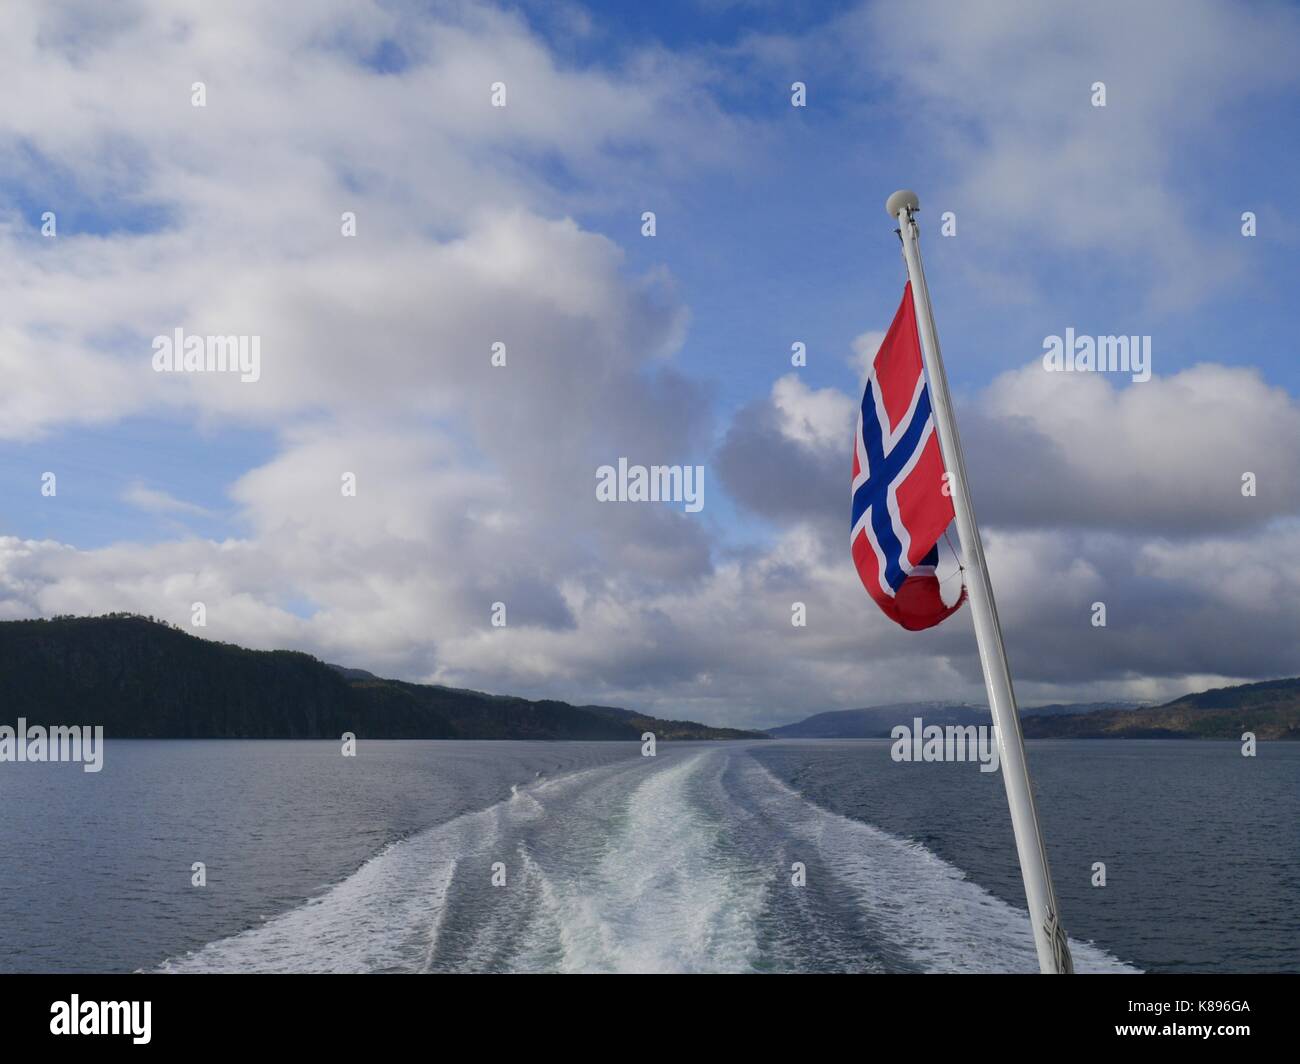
(900, 508)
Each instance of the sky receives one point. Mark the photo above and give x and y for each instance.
(522, 225)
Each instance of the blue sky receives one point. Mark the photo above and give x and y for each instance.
(478, 224)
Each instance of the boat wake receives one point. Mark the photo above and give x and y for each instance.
(680, 863)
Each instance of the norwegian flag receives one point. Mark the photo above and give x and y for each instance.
(899, 506)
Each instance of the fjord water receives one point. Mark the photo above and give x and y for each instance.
(615, 862)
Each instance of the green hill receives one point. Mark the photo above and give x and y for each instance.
(1270, 709)
(141, 678)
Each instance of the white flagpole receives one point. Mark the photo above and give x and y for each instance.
(1049, 937)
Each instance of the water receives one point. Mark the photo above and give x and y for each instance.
(615, 862)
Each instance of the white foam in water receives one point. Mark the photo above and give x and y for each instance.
(386, 916)
(645, 865)
(663, 898)
(942, 920)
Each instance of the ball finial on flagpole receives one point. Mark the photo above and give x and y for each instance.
(904, 197)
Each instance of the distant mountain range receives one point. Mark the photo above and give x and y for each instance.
(141, 678)
(875, 722)
(1270, 709)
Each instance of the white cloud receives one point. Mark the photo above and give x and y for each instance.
(475, 483)
(864, 347)
(1167, 454)
(1001, 91)
(1008, 86)
(155, 500)
(811, 416)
